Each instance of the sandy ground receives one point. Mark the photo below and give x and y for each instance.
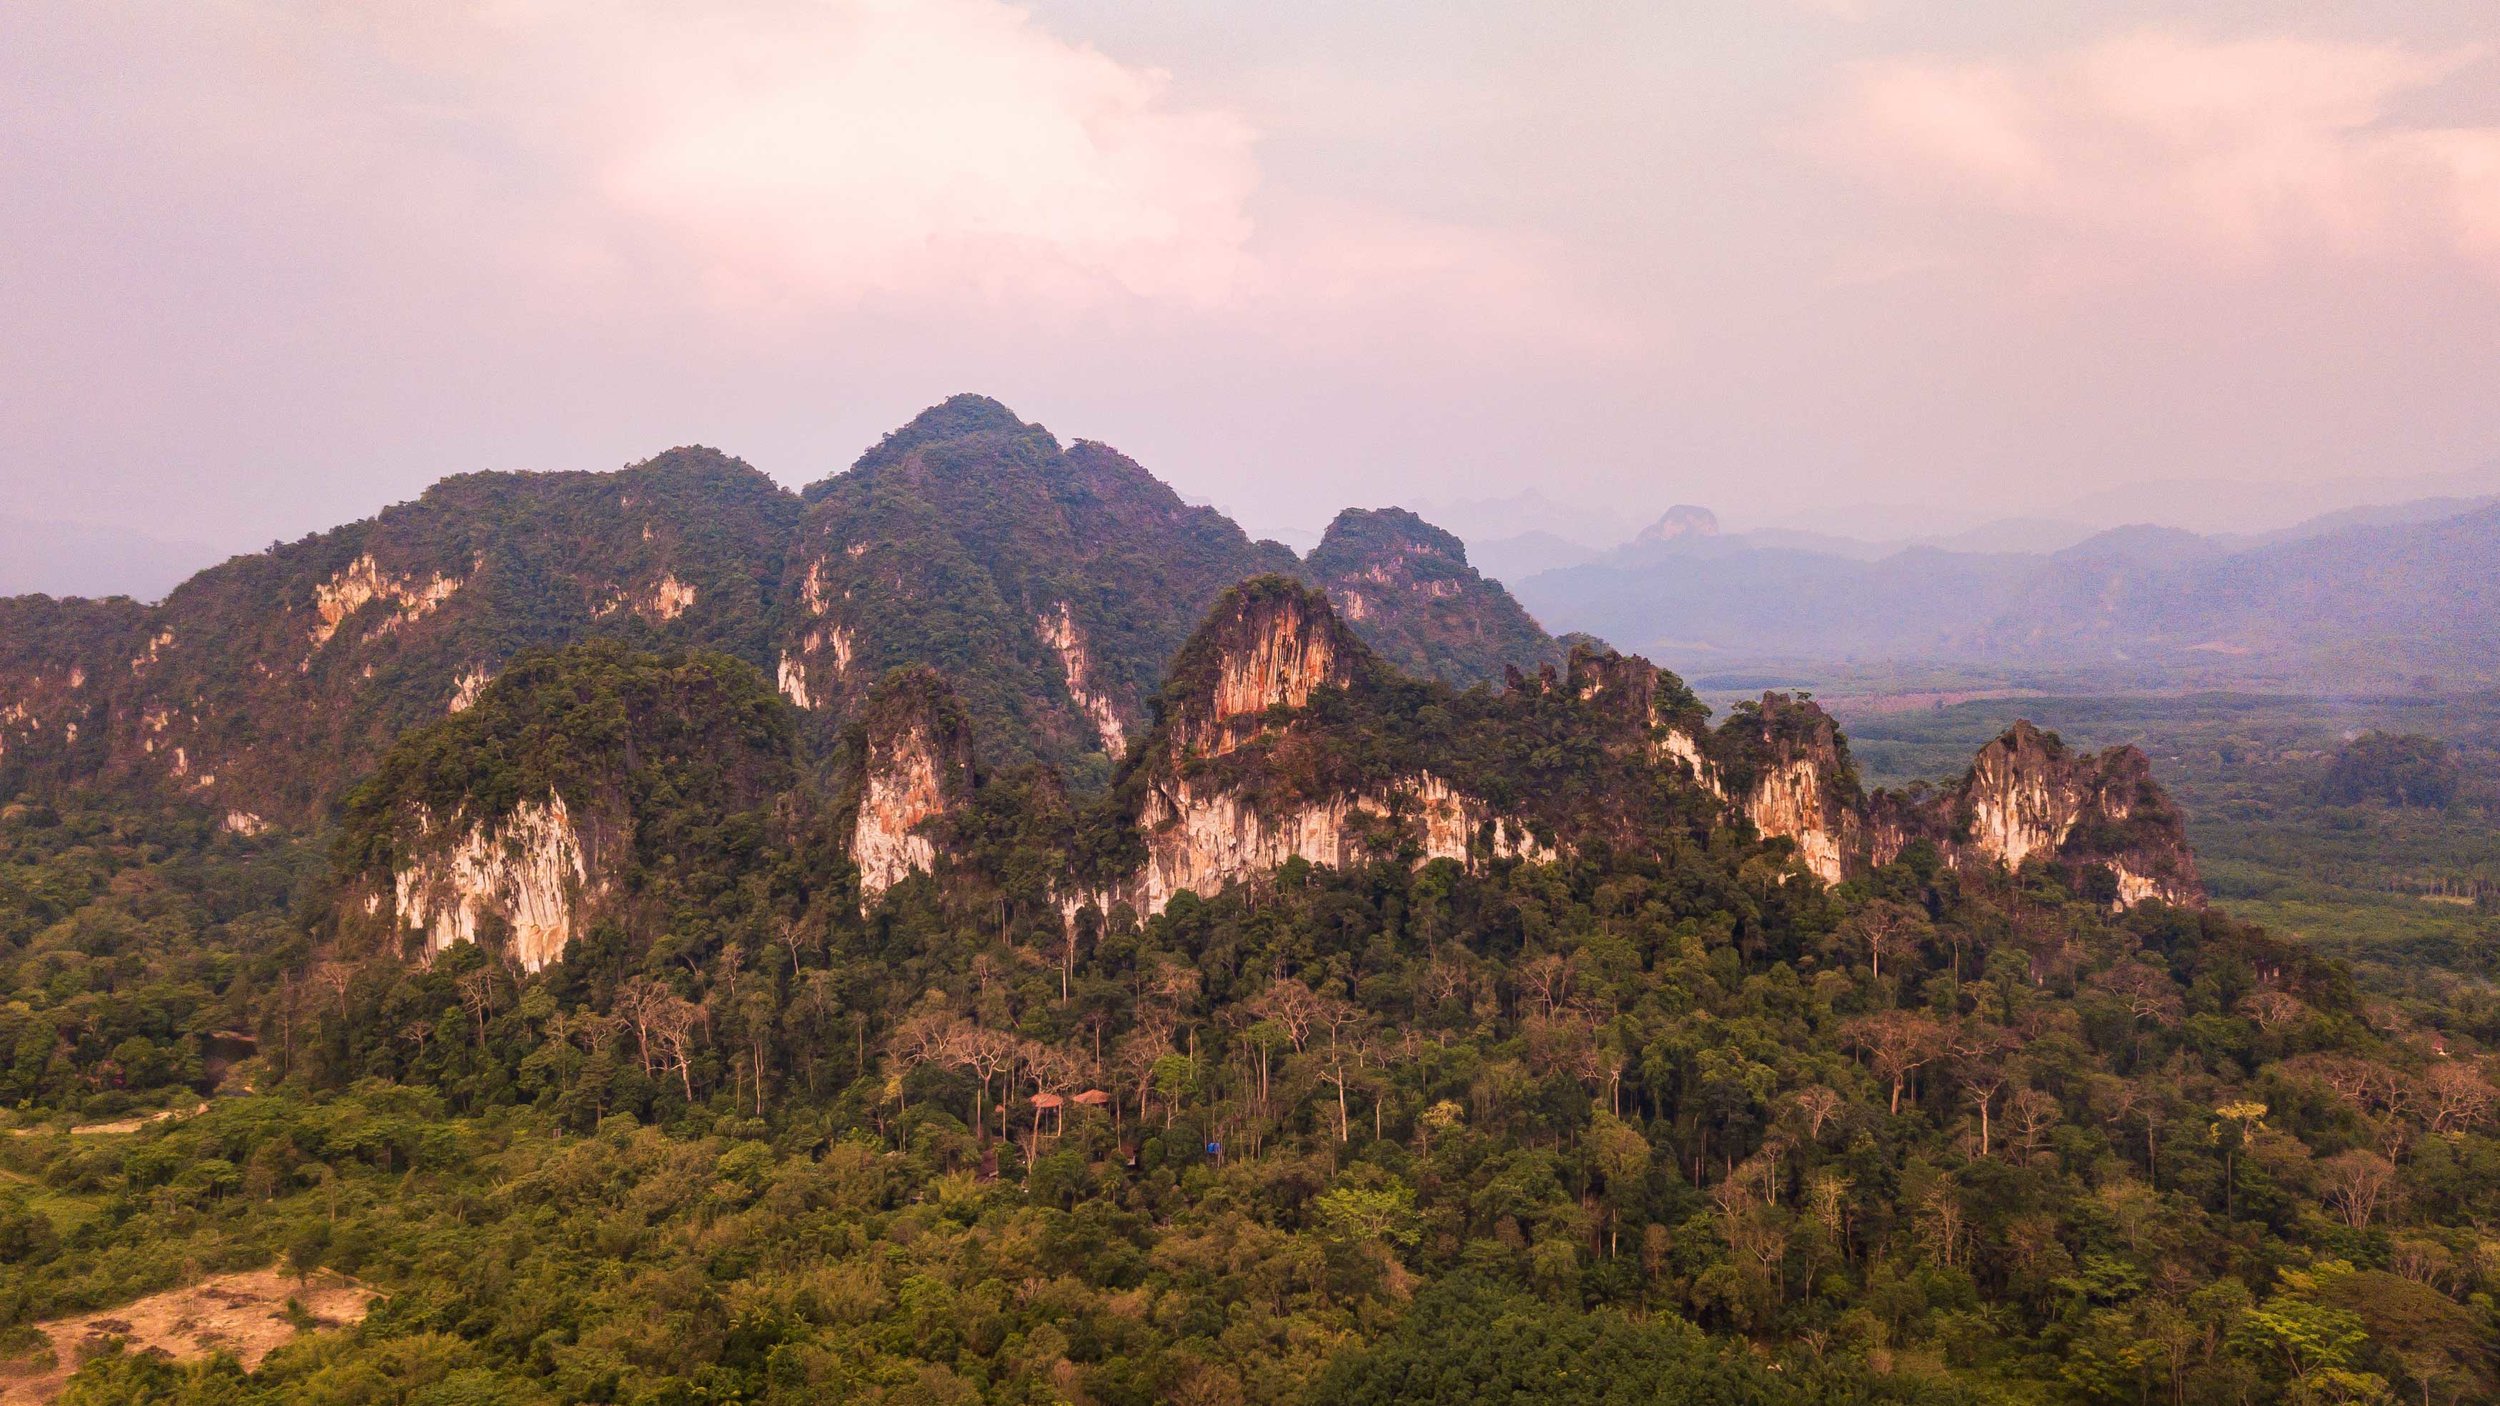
(245, 1314)
(118, 1125)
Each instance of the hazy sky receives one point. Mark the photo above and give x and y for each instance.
(265, 267)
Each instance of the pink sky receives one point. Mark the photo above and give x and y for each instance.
(269, 266)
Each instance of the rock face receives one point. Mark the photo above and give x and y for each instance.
(2100, 820)
(554, 796)
(1202, 842)
(913, 764)
(529, 872)
(1234, 714)
(1783, 763)
(1269, 644)
(2028, 797)
(1406, 587)
(1076, 667)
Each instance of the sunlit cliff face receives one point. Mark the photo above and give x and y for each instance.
(529, 872)
(1058, 630)
(903, 792)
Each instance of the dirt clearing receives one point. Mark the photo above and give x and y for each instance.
(244, 1314)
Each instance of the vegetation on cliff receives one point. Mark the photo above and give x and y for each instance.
(1664, 1118)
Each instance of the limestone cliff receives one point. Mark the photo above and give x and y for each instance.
(1203, 841)
(528, 872)
(2100, 820)
(911, 763)
(1783, 763)
(1076, 667)
(1239, 776)
(577, 785)
(1269, 644)
(2027, 796)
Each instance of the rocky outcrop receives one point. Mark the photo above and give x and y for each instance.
(657, 603)
(913, 763)
(1076, 666)
(2027, 796)
(410, 597)
(528, 872)
(1783, 763)
(819, 665)
(1270, 644)
(1212, 813)
(2100, 820)
(575, 787)
(1203, 841)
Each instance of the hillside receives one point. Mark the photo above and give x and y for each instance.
(1545, 1040)
(1050, 584)
(1407, 587)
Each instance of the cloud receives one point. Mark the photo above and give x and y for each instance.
(844, 150)
(779, 161)
(2240, 152)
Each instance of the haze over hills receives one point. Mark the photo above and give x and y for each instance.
(2366, 597)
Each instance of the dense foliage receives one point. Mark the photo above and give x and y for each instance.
(2397, 769)
(1666, 1121)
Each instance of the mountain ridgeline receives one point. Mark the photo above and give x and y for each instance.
(584, 781)
(1050, 585)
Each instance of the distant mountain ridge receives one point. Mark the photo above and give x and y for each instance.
(2395, 591)
(1051, 584)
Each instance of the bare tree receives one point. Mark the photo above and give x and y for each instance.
(2032, 1114)
(2356, 1183)
(1293, 1006)
(985, 1055)
(1546, 980)
(333, 977)
(1818, 1104)
(1898, 1043)
(2459, 1097)
(2144, 989)
(1979, 1051)
(673, 1022)
(1342, 1022)
(1885, 926)
(477, 995)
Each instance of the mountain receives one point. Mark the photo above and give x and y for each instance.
(265, 686)
(2372, 599)
(1677, 523)
(1406, 586)
(1050, 585)
(2371, 604)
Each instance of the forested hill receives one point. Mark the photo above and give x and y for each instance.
(1363, 1040)
(1051, 584)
